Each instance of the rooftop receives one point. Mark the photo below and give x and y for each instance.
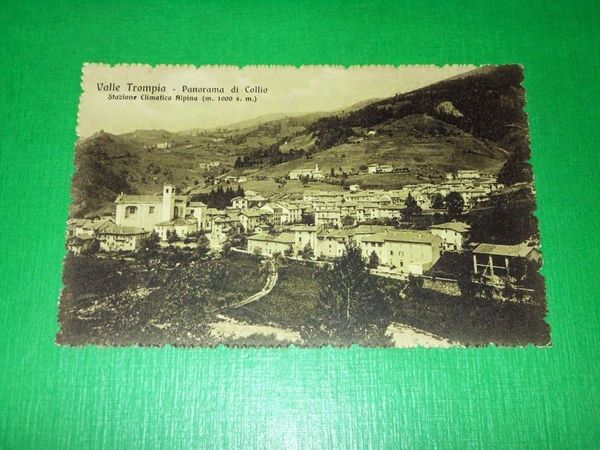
(180, 221)
(413, 237)
(283, 238)
(139, 199)
(518, 250)
(459, 227)
(146, 199)
(254, 213)
(124, 231)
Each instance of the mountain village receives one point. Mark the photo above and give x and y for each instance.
(272, 226)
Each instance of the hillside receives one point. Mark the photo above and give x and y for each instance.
(472, 121)
(488, 102)
(426, 148)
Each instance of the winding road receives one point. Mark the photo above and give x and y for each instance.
(268, 287)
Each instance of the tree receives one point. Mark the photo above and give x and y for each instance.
(464, 276)
(289, 251)
(308, 218)
(373, 260)
(351, 306)
(516, 169)
(172, 237)
(454, 204)
(332, 172)
(437, 201)
(412, 208)
(307, 252)
(203, 246)
(347, 221)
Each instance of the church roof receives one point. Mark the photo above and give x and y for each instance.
(139, 199)
(146, 199)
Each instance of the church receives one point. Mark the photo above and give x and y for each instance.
(164, 213)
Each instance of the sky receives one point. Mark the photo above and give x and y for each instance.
(289, 90)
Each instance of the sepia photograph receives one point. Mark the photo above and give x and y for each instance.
(269, 206)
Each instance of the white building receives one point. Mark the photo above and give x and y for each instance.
(146, 211)
(404, 251)
(267, 245)
(313, 174)
(453, 234)
(182, 227)
(115, 238)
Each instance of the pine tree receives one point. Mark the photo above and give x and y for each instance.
(351, 307)
(454, 204)
(412, 208)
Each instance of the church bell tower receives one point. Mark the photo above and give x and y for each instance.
(168, 203)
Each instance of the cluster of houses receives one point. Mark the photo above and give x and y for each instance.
(275, 225)
(401, 251)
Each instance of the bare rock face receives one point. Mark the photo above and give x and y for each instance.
(448, 109)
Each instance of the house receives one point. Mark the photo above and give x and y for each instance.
(198, 210)
(467, 174)
(405, 251)
(222, 227)
(211, 215)
(305, 235)
(254, 200)
(312, 174)
(239, 202)
(78, 245)
(181, 226)
(283, 212)
(82, 233)
(453, 234)
(115, 238)
(383, 168)
(163, 145)
(354, 187)
(267, 245)
(328, 216)
(493, 260)
(251, 218)
(331, 243)
(472, 195)
(390, 211)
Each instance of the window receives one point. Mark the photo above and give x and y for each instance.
(130, 211)
(192, 212)
(151, 210)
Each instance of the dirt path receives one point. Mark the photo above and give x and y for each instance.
(268, 287)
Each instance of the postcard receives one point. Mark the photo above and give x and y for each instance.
(268, 206)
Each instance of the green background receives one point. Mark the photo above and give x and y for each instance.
(65, 398)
